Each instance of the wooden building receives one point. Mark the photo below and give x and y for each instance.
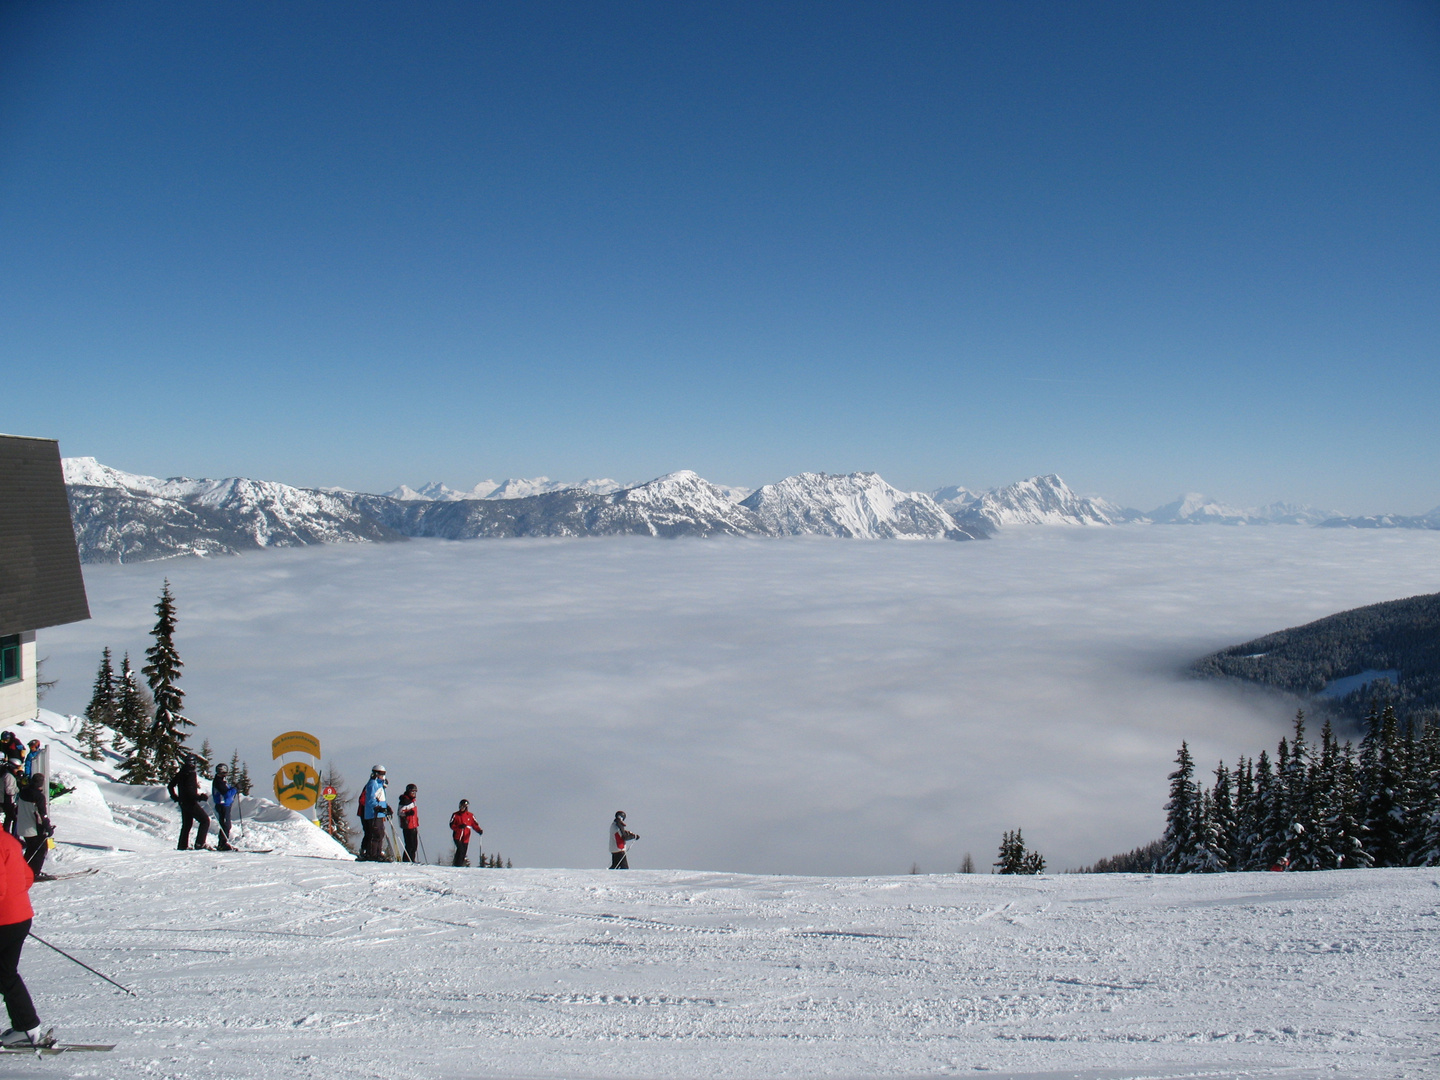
(40, 580)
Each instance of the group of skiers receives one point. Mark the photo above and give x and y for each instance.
(26, 816)
(25, 798)
(185, 789)
(375, 811)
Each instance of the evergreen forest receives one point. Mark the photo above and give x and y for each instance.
(1398, 635)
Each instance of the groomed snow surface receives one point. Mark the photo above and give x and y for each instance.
(305, 964)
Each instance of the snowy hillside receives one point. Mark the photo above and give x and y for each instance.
(858, 505)
(1041, 500)
(261, 965)
(104, 816)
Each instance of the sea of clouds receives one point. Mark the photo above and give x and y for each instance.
(804, 706)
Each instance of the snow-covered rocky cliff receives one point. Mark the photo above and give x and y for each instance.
(124, 517)
(859, 505)
(1040, 500)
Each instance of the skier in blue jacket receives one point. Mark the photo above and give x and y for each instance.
(374, 809)
(223, 793)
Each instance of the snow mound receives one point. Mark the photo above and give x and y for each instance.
(102, 815)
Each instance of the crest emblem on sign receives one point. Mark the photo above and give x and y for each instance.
(297, 785)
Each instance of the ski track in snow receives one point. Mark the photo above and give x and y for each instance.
(268, 965)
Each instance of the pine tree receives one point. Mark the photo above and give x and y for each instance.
(1182, 818)
(134, 723)
(242, 779)
(1346, 826)
(1243, 850)
(234, 769)
(1424, 843)
(169, 730)
(332, 815)
(206, 755)
(1302, 822)
(1382, 789)
(103, 711)
(1012, 854)
(1276, 827)
(967, 864)
(1221, 840)
(1265, 846)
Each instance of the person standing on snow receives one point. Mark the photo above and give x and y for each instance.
(32, 759)
(16, 915)
(409, 815)
(9, 794)
(185, 790)
(461, 822)
(618, 835)
(374, 809)
(222, 794)
(32, 822)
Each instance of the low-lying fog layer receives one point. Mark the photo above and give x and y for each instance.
(767, 706)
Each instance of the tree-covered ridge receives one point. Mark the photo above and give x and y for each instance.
(1398, 635)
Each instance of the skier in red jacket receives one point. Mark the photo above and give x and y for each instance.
(15, 917)
(461, 822)
(409, 814)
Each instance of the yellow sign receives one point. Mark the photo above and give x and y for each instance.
(297, 785)
(295, 742)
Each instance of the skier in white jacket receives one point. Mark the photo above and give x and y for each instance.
(618, 835)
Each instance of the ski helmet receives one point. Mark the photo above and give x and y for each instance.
(464, 803)
(619, 815)
(220, 769)
(377, 770)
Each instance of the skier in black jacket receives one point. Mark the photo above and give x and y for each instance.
(185, 790)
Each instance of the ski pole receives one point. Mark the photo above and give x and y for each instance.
(82, 963)
(394, 841)
(423, 856)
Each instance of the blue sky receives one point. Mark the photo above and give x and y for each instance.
(1152, 247)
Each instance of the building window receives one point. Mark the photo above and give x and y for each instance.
(10, 659)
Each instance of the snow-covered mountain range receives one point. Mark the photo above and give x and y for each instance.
(1040, 500)
(1195, 509)
(859, 505)
(511, 488)
(127, 517)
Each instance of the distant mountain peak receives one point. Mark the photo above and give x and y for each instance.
(1196, 509)
(1042, 500)
(857, 504)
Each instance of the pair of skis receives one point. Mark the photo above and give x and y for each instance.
(55, 1048)
(47, 1045)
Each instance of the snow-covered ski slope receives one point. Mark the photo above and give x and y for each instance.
(307, 965)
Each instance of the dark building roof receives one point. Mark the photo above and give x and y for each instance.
(40, 582)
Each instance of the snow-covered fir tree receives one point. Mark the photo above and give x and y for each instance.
(1382, 789)
(1014, 859)
(103, 711)
(134, 723)
(169, 731)
(1183, 825)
